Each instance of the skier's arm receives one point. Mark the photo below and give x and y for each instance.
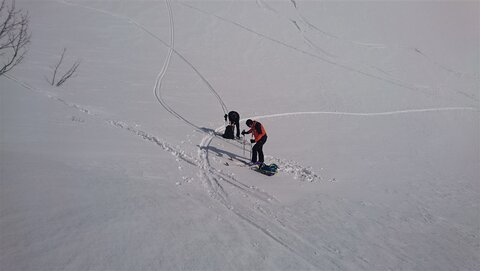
(246, 132)
(258, 127)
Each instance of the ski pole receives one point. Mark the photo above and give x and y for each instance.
(251, 147)
(243, 145)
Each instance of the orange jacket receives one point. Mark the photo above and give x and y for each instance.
(258, 132)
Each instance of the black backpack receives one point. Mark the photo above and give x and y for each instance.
(229, 132)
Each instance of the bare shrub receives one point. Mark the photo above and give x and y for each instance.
(14, 36)
(69, 73)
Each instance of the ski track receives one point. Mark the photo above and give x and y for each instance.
(150, 33)
(381, 46)
(373, 114)
(265, 219)
(159, 80)
(175, 151)
(392, 81)
(312, 45)
(346, 66)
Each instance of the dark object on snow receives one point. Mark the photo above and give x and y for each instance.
(228, 134)
(234, 119)
(269, 170)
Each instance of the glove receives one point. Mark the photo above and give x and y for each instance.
(252, 140)
(243, 132)
(225, 117)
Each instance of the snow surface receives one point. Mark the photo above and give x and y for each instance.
(372, 112)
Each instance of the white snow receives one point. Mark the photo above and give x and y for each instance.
(371, 110)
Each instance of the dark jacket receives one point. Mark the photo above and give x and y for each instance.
(233, 117)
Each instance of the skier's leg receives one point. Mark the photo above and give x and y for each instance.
(254, 153)
(260, 148)
(260, 154)
(237, 124)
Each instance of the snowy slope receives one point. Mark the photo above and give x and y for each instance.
(371, 110)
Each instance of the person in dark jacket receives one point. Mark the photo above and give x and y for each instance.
(234, 119)
(259, 138)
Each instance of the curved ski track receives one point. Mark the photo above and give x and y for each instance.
(266, 222)
(171, 50)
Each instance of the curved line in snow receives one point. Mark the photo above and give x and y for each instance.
(161, 75)
(386, 113)
(373, 114)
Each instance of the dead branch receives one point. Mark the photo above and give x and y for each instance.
(69, 73)
(14, 36)
(52, 82)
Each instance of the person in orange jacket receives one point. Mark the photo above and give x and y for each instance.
(259, 138)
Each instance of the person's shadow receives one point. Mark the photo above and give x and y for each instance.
(220, 152)
(208, 130)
